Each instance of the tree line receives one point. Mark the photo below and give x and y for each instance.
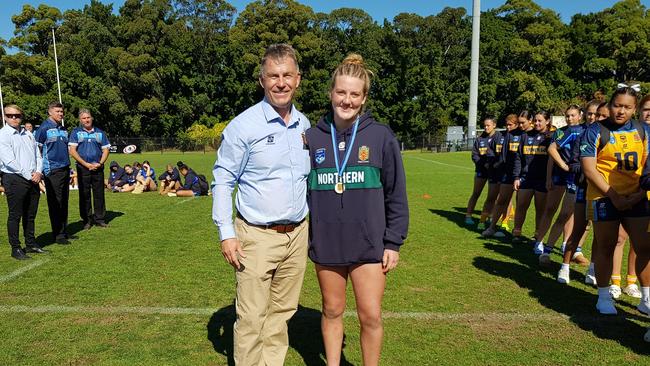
(159, 66)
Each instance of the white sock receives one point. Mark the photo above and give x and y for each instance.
(565, 266)
(564, 243)
(603, 292)
(591, 268)
(645, 294)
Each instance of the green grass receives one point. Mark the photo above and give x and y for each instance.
(483, 301)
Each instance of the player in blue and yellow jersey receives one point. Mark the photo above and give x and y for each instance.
(483, 156)
(613, 153)
(560, 180)
(580, 222)
(530, 172)
(515, 127)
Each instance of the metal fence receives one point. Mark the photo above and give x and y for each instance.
(425, 143)
(435, 143)
(159, 144)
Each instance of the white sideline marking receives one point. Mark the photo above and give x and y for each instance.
(185, 199)
(439, 163)
(439, 316)
(22, 270)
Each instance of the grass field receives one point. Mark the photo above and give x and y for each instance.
(153, 289)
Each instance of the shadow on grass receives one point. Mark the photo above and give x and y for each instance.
(457, 217)
(304, 335)
(577, 304)
(47, 238)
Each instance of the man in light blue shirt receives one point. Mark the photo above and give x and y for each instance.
(21, 164)
(263, 152)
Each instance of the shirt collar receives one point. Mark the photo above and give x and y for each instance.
(15, 130)
(272, 115)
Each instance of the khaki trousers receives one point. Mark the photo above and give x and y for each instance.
(268, 290)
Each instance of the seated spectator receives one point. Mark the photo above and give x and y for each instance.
(74, 184)
(146, 179)
(195, 185)
(29, 127)
(129, 178)
(115, 176)
(170, 180)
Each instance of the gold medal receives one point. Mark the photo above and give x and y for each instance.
(339, 187)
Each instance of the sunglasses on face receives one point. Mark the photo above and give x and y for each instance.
(14, 116)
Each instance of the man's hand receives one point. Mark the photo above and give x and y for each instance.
(230, 248)
(516, 184)
(389, 261)
(36, 177)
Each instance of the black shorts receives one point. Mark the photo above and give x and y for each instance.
(494, 175)
(536, 184)
(602, 209)
(482, 173)
(507, 178)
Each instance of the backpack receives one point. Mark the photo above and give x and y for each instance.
(605, 133)
(203, 184)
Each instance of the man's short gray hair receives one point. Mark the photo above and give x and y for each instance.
(84, 111)
(278, 51)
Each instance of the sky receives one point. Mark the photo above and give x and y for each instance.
(378, 9)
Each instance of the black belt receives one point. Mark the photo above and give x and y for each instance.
(280, 228)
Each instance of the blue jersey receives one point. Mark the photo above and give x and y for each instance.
(53, 138)
(89, 143)
(565, 139)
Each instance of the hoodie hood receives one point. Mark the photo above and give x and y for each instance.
(324, 123)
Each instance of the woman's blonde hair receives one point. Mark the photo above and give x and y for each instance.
(353, 66)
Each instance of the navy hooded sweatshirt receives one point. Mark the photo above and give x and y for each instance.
(372, 213)
(532, 158)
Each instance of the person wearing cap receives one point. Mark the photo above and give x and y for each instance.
(115, 175)
(21, 164)
(89, 146)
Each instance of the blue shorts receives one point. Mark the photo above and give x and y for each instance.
(581, 194)
(565, 179)
(602, 209)
(537, 185)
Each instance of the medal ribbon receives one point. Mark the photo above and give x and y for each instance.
(348, 148)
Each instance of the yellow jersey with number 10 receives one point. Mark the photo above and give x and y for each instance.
(620, 161)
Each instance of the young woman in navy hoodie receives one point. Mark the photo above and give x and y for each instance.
(358, 209)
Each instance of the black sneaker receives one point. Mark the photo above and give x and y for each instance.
(61, 239)
(35, 249)
(88, 226)
(19, 253)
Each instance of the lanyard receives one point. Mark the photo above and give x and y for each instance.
(348, 148)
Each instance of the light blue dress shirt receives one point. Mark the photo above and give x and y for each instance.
(19, 153)
(268, 161)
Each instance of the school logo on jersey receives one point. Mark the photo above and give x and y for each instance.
(612, 139)
(319, 157)
(270, 140)
(530, 140)
(364, 154)
(342, 145)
